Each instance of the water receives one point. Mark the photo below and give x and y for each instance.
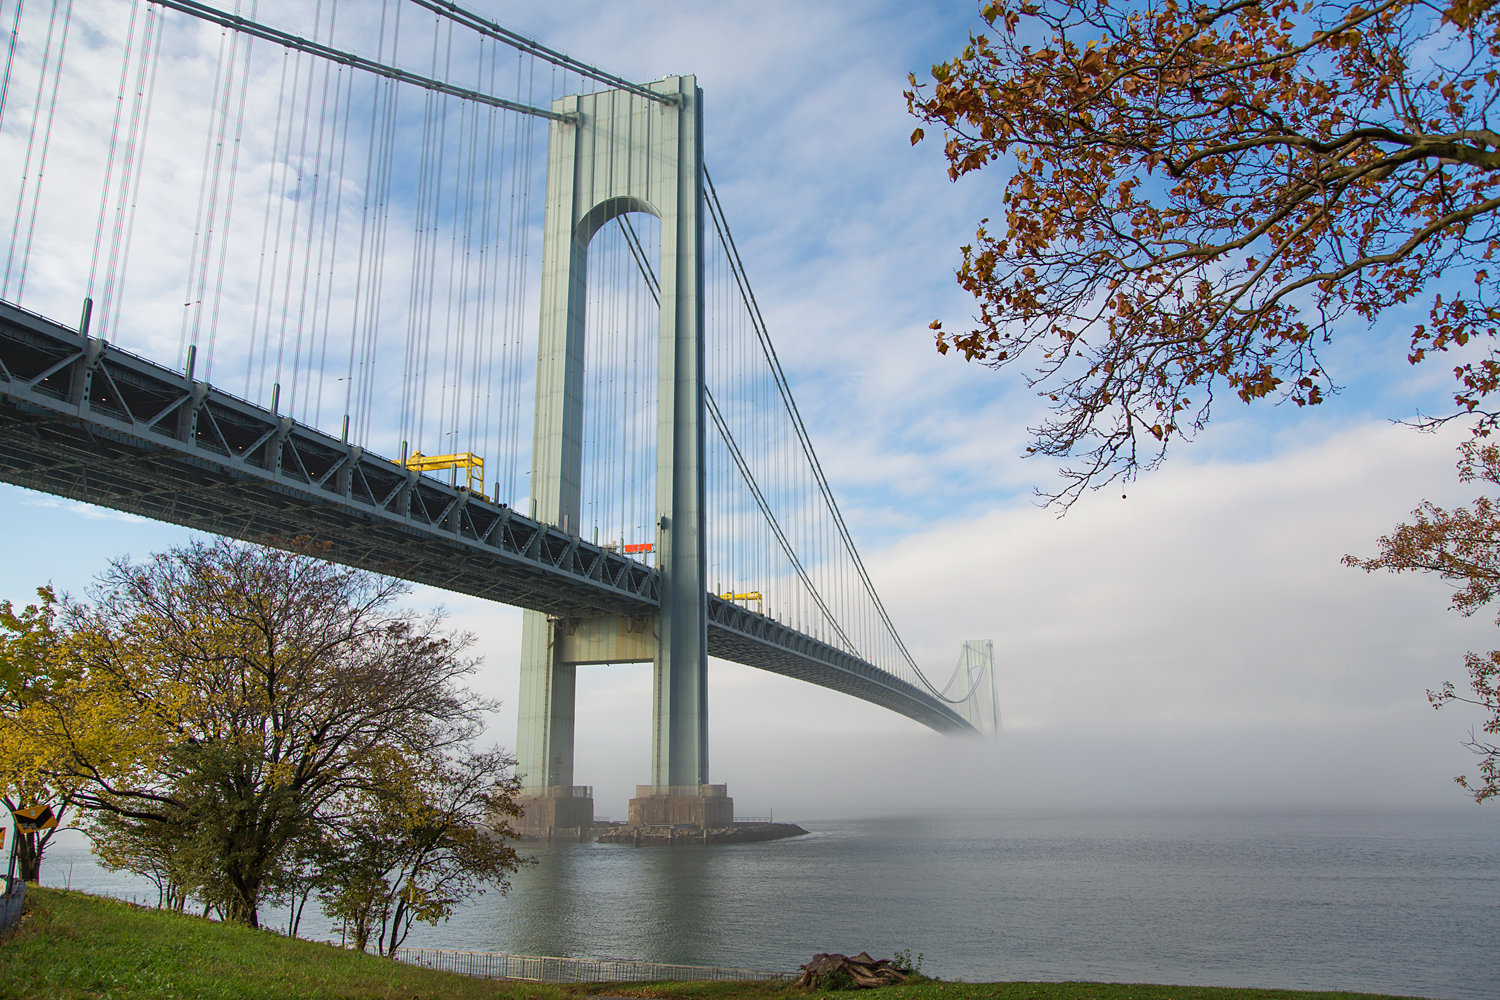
(1400, 903)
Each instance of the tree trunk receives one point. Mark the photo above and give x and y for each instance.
(243, 911)
(362, 932)
(396, 919)
(297, 911)
(244, 902)
(29, 857)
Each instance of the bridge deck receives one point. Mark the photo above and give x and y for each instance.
(83, 419)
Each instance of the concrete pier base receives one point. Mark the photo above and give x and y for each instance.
(549, 810)
(703, 806)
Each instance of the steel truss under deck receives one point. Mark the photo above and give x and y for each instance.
(85, 420)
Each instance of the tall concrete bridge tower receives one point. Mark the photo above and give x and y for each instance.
(623, 151)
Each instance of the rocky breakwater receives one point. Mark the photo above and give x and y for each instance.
(681, 835)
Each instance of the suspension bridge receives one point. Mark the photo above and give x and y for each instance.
(320, 296)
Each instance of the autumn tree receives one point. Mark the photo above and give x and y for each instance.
(237, 695)
(33, 663)
(415, 853)
(1199, 195)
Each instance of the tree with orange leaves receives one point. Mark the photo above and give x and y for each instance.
(1463, 546)
(1201, 194)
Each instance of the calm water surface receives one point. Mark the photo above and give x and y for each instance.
(1402, 903)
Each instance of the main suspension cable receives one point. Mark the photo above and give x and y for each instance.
(493, 29)
(249, 27)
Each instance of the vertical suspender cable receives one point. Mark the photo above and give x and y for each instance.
(371, 248)
(109, 160)
(295, 240)
(291, 190)
(150, 42)
(265, 235)
(10, 55)
(203, 220)
(338, 180)
(41, 170)
(318, 214)
(137, 153)
(234, 166)
(36, 113)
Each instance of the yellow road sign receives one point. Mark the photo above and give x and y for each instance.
(35, 818)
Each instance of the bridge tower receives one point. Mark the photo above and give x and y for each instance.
(624, 152)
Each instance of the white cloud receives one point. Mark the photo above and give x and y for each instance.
(83, 510)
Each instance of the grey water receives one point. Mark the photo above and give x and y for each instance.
(1386, 902)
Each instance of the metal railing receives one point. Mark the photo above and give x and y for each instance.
(540, 969)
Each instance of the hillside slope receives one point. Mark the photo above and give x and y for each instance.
(72, 945)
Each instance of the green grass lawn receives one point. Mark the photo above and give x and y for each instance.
(72, 946)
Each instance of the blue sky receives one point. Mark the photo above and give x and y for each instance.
(1195, 644)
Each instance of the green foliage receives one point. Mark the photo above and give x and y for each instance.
(147, 849)
(28, 640)
(402, 858)
(836, 981)
(904, 963)
(354, 884)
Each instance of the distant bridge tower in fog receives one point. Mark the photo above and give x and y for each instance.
(975, 675)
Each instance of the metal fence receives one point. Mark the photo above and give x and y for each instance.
(11, 904)
(537, 969)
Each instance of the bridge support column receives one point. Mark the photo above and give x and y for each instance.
(680, 703)
(544, 744)
(624, 152)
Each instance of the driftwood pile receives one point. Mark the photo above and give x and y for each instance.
(863, 972)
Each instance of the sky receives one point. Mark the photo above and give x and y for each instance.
(1194, 642)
